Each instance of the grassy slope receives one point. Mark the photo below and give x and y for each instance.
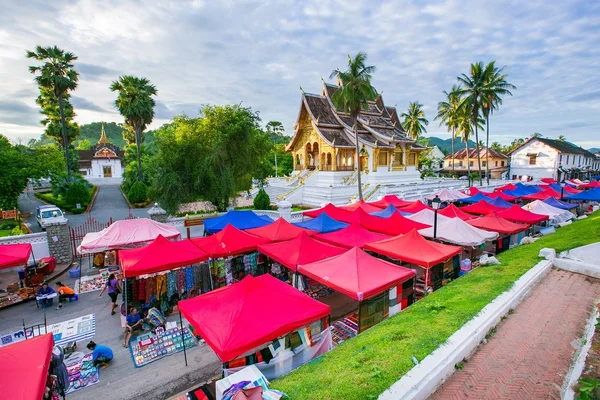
(365, 366)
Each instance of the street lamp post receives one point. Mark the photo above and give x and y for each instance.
(435, 204)
(562, 190)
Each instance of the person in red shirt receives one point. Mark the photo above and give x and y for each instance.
(64, 292)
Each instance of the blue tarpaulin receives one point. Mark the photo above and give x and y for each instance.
(386, 212)
(563, 205)
(475, 199)
(586, 195)
(244, 219)
(517, 192)
(323, 223)
(529, 189)
(498, 202)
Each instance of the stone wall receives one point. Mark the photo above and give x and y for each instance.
(59, 240)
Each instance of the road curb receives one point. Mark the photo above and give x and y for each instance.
(91, 203)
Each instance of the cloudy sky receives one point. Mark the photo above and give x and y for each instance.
(260, 53)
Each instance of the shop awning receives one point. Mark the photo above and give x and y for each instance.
(323, 223)
(560, 204)
(279, 231)
(556, 215)
(454, 212)
(357, 274)
(228, 242)
(458, 232)
(14, 255)
(585, 195)
(475, 198)
(395, 225)
(303, 249)
(492, 222)
(567, 189)
(548, 180)
(125, 233)
(508, 186)
(530, 189)
(238, 318)
(541, 195)
(391, 199)
(159, 256)
(481, 208)
(24, 368)
(415, 249)
(330, 209)
(415, 207)
(352, 236)
(362, 205)
(244, 219)
(446, 195)
(518, 215)
(426, 217)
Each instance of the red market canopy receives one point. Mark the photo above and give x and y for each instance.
(24, 368)
(13, 255)
(159, 256)
(508, 186)
(541, 195)
(395, 225)
(124, 233)
(548, 180)
(362, 205)
(502, 195)
(241, 317)
(357, 274)
(415, 207)
(360, 216)
(492, 222)
(571, 190)
(517, 214)
(303, 249)
(330, 209)
(279, 231)
(454, 212)
(352, 236)
(551, 192)
(482, 207)
(228, 242)
(415, 249)
(391, 199)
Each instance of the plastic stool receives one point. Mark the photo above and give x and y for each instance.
(74, 298)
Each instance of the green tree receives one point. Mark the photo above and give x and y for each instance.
(497, 88)
(497, 147)
(562, 138)
(353, 96)
(136, 105)
(448, 114)
(465, 130)
(276, 130)
(414, 120)
(262, 200)
(83, 144)
(536, 135)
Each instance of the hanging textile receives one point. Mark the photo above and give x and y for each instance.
(161, 285)
(129, 289)
(189, 279)
(142, 290)
(219, 273)
(171, 283)
(198, 276)
(150, 288)
(180, 281)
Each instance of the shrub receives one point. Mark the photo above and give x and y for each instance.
(262, 200)
(138, 192)
(17, 231)
(77, 193)
(60, 185)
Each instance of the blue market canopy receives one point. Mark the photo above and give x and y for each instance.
(518, 192)
(386, 212)
(530, 189)
(498, 202)
(559, 204)
(323, 223)
(586, 195)
(245, 219)
(475, 199)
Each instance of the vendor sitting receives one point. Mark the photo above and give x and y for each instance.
(134, 323)
(45, 290)
(64, 292)
(101, 355)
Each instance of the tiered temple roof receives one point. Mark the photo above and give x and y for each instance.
(378, 125)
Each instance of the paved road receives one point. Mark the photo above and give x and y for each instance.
(531, 351)
(121, 380)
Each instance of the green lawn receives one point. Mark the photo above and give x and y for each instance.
(48, 197)
(4, 232)
(365, 366)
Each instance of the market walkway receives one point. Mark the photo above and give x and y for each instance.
(531, 351)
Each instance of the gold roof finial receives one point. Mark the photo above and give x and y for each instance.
(103, 139)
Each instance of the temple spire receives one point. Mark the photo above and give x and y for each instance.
(103, 139)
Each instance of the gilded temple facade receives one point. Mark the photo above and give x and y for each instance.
(324, 141)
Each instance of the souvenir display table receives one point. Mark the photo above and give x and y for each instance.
(95, 282)
(149, 347)
(344, 329)
(82, 372)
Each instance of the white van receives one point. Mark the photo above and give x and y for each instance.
(44, 213)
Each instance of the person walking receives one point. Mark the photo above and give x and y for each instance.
(64, 292)
(114, 288)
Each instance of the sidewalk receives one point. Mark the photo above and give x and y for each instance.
(531, 351)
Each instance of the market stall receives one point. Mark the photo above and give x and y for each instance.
(323, 223)
(447, 196)
(260, 321)
(386, 212)
(454, 212)
(502, 195)
(510, 233)
(482, 207)
(329, 208)
(26, 281)
(367, 207)
(555, 215)
(426, 217)
(475, 198)
(415, 207)
(585, 195)
(521, 216)
(499, 202)
(560, 204)
(392, 200)
(24, 368)
(352, 236)
(279, 231)
(439, 263)
(244, 219)
(395, 225)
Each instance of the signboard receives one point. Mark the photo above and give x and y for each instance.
(10, 214)
(12, 337)
(73, 330)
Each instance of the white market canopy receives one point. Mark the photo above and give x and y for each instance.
(426, 217)
(456, 231)
(447, 196)
(125, 233)
(555, 214)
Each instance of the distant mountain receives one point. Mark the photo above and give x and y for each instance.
(91, 132)
(594, 149)
(445, 145)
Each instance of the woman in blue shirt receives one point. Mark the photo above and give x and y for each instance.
(101, 355)
(134, 323)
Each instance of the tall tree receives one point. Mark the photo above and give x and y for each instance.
(496, 146)
(353, 96)
(465, 130)
(562, 138)
(136, 105)
(448, 114)
(414, 120)
(56, 74)
(276, 130)
(497, 88)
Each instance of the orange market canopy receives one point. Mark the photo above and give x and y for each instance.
(159, 256)
(357, 274)
(14, 255)
(239, 318)
(415, 249)
(125, 233)
(279, 231)
(303, 249)
(228, 242)
(352, 236)
(24, 368)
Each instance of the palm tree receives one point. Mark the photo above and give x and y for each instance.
(414, 120)
(465, 129)
(276, 130)
(353, 95)
(448, 114)
(474, 91)
(562, 138)
(136, 105)
(57, 73)
(497, 87)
